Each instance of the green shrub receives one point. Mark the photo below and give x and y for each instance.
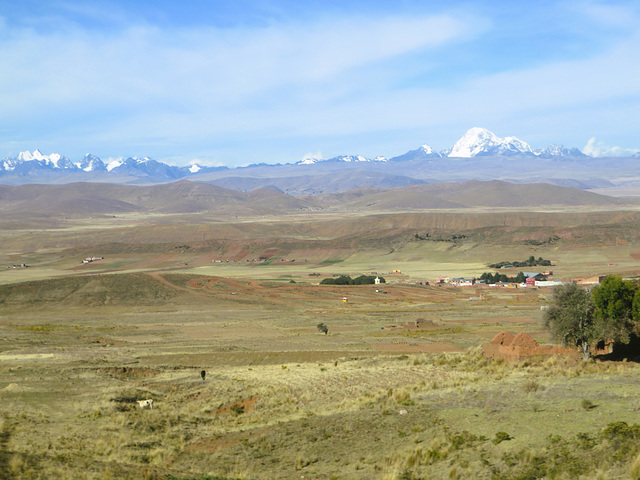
(501, 437)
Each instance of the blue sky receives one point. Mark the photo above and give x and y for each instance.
(250, 81)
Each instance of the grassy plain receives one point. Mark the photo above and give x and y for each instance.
(79, 344)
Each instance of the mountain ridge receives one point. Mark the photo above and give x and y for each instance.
(479, 154)
(186, 197)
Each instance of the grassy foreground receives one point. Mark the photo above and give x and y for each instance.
(281, 400)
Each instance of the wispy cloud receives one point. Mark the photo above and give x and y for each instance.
(154, 83)
(346, 83)
(600, 149)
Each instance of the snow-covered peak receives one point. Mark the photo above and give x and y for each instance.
(427, 150)
(195, 168)
(54, 160)
(90, 163)
(553, 151)
(380, 158)
(309, 160)
(114, 163)
(351, 158)
(480, 141)
(28, 156)
(8, 164)
(472, 142)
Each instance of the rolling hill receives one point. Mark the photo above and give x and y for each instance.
(186, 197)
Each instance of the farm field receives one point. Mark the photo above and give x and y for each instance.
(398, 388)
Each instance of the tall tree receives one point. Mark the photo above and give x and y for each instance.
(614, 300)
(571, 319)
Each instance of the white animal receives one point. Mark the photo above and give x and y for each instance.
(403, 412)
(148, 403)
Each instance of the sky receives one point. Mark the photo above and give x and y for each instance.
(273, 81)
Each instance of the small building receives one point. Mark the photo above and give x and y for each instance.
(463, 282)
(549, 283)
(534, 275)
(377, 280)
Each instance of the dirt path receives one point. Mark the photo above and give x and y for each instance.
(166, 282)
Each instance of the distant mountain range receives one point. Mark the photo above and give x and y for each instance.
(33, 162)
(186, 197)
(478, 155)
(476, 142)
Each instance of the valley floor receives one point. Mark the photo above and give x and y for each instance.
(282, 400)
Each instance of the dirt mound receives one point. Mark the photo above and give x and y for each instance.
(505, 346)
(524, 340)
(502, 338)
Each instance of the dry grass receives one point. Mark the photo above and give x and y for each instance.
(282, 400)
(70, 381)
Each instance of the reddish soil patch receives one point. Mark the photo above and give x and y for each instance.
(506, 346)
(198, 396)
(246, 405)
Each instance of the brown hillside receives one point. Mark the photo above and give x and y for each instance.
(496, 193)
(187, 197)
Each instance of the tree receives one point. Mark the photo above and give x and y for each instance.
(617, 305)
(341, 280)
(322, 328)
(571, 318)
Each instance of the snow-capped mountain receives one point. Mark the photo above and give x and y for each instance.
(476, 142)
(37, 166)
(558, 151)
(423, 153)
(309, 160)
(91, 163)
(55, 160)
(422, 164)
(481, 142)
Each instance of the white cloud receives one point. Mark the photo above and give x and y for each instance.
(154, 86)
(600, 149)
(267, 93)
(312, 157)
(203, 67)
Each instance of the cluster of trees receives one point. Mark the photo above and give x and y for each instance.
(530, 262)
(450, 238)
(347, 280)
(492, 278)
(610, 312)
